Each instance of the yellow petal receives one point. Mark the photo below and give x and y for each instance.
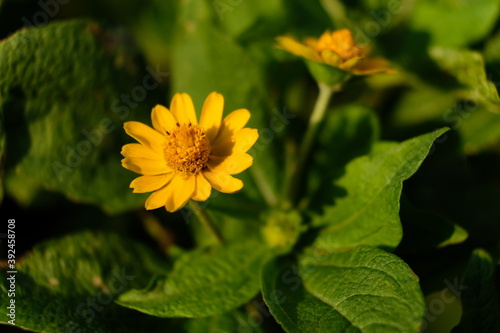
(365, 51)
(311, 42)
(223, 182)
(245, 139)
(342, 43)
(202, 188)
(342, 35)
(158, 198)
(145, 135)
(239, 143)
(136, 150)
(163, 120)
(293, 46)
(234, 121)
(372, 66)
(144, 166)
(232, 164)
(145, 184)
(183, 109)
(180, 190)
(211, 115)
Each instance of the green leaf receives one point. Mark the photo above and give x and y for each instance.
(480, 307)
(479, 130)
(70, 283)
(423, 104)
(205, 60)
(366, 208)
(443, 20)
(28, 193)
(468, 69)
(347, 132)
(443, 308)
(204, 282)
(424, 231)
(361, 290)
(492, 50)
(337, 12)
(63, 106)
(326, 74)
(154, 31)
(234, 321)
(2, 154)
(240, 17)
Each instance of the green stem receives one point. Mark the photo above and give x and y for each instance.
(205, 220)
(156, 230)
(336, 10)
(317, 115)
(263, 185)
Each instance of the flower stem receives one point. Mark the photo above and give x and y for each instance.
(317, 115)
(205, 220)
(263, 185)
(163, 236)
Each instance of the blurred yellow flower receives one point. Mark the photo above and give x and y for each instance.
(336, 49)
(181, 158)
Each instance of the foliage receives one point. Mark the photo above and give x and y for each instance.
(397, 201)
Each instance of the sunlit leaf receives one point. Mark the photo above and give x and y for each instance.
(71, 283)
(203, 283)
(360, 290)
(443, 20)
(468, 69)
(64, 110)
(366, 200)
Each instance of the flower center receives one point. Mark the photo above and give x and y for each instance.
(187, 148)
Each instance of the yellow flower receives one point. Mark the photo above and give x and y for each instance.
(181, 158)
(336, 49)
